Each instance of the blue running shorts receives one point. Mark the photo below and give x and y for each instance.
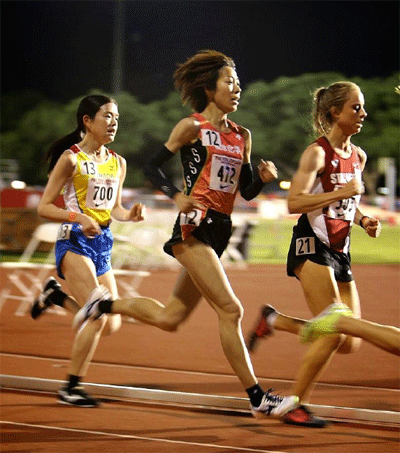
(70, 238)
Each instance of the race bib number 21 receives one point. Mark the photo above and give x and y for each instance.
(305, 246)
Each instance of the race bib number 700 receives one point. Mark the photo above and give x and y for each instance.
(101, 193)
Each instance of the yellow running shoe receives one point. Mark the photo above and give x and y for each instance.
(324, 323)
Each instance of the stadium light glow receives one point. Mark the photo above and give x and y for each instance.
(18, 184)
(285, 185)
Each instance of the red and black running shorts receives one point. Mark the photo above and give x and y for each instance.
(215, 230)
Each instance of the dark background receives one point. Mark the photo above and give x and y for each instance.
(63, 48)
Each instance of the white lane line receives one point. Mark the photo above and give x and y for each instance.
(130, 436)
(193, 399)
(194, 373)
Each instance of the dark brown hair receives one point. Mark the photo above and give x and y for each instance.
(198, 74)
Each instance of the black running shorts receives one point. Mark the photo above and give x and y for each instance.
(306, 246)
(214, 230)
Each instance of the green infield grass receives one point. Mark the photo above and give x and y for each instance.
(269, 242)
(270, 239)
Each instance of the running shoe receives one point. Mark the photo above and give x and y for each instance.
(302, 416)
(274, 405)
(76, 396)
(43, 302)
(91, 308)
(324, 323)
(262, 328)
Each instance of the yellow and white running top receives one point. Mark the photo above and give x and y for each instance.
(93, 189)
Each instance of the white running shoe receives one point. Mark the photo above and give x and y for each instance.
(91, 308)
(274, 405)
(76, 397)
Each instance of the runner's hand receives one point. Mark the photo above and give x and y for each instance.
(353, 187)
(267, 171)
(187, 203)
(372, 227)
(137, 213)
(90, 228)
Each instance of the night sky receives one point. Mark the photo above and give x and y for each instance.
(64, 48)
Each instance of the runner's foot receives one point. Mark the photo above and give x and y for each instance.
(262, 327)
(274, 405)
(302, 416)
(76, 396)
(91, 308)
(43, 302)
(324, 323)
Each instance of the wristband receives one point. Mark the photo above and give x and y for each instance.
(362, 218)
(249, 187)
(72, 216)
(154, 173)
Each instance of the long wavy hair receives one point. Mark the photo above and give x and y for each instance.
(198, 74)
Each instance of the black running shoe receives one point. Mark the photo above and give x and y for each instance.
(43, 302)
(262, 328)
(76, 396)
(302, 416)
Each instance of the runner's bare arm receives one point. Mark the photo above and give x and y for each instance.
(300, 200)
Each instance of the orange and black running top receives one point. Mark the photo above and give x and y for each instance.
(212, 165)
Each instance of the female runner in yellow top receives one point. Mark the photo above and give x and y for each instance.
(91, 177)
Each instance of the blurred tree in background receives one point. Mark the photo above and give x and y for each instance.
(279, 116)
(277, 113)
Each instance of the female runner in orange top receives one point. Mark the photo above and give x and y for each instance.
(215, 155)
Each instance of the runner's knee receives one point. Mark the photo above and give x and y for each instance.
(232, 311)
(112, 324)
(169, 324)
(171, 318)
(349, 345)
